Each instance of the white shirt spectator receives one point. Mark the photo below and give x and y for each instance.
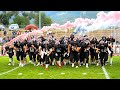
(1, 40)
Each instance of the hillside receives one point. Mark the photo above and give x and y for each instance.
(62, 17)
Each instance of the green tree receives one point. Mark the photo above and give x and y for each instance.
(45, 20)
(25, 14)
(15, 13)
(4, 19)
(21, 21)
(37, 20)
(36, 11)
(31, 15)
(6, 15)
(9, 14)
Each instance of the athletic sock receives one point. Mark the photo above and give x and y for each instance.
(64, 62)
(72, 64)
(59, 63)
(111, 61)
(41, 63)
(86, 65)
(38, 64)
(10, 60)
(53, 62)
(20, 63)
(47, 65)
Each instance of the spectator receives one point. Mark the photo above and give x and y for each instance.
(18, 33)
(26, 32)
(30, 30)
(13, 33)
(1, 50)
(1, 40)
(5, 33)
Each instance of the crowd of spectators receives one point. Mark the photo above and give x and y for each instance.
(6, 37)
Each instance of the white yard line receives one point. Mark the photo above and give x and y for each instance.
(9, 71)
(41, 73)
(62, 73)
(84, 73)
(105, 72)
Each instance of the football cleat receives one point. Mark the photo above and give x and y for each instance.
(34, 64)
(43, 65)
(38, 64)
(9, 64)
(76, 66)
(60, 66)
(97, 64)
(30, 61)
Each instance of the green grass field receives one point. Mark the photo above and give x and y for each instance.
(66, 72)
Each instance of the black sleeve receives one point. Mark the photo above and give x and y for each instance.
(62, 45)
(37, 46)
(108, 39)
(56, 46)
(106, 44)
(113, 40)
(83, 45)
(42, 45)
(6, 48)
(98, 46)
(78, 44)
(97, 42)
(15, 44)
(29, 44)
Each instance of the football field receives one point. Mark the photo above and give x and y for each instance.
(66, 72)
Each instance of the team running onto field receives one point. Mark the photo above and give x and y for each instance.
(72, 50)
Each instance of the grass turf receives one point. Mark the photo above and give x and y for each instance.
(66, 72)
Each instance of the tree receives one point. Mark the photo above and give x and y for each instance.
(37, 19)
(36, 11)
(45, 20)
(4, 19)
(31, 15)
(21, 21)
(9, 14)
(25, 14)
(15, 13)
(6, 15)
